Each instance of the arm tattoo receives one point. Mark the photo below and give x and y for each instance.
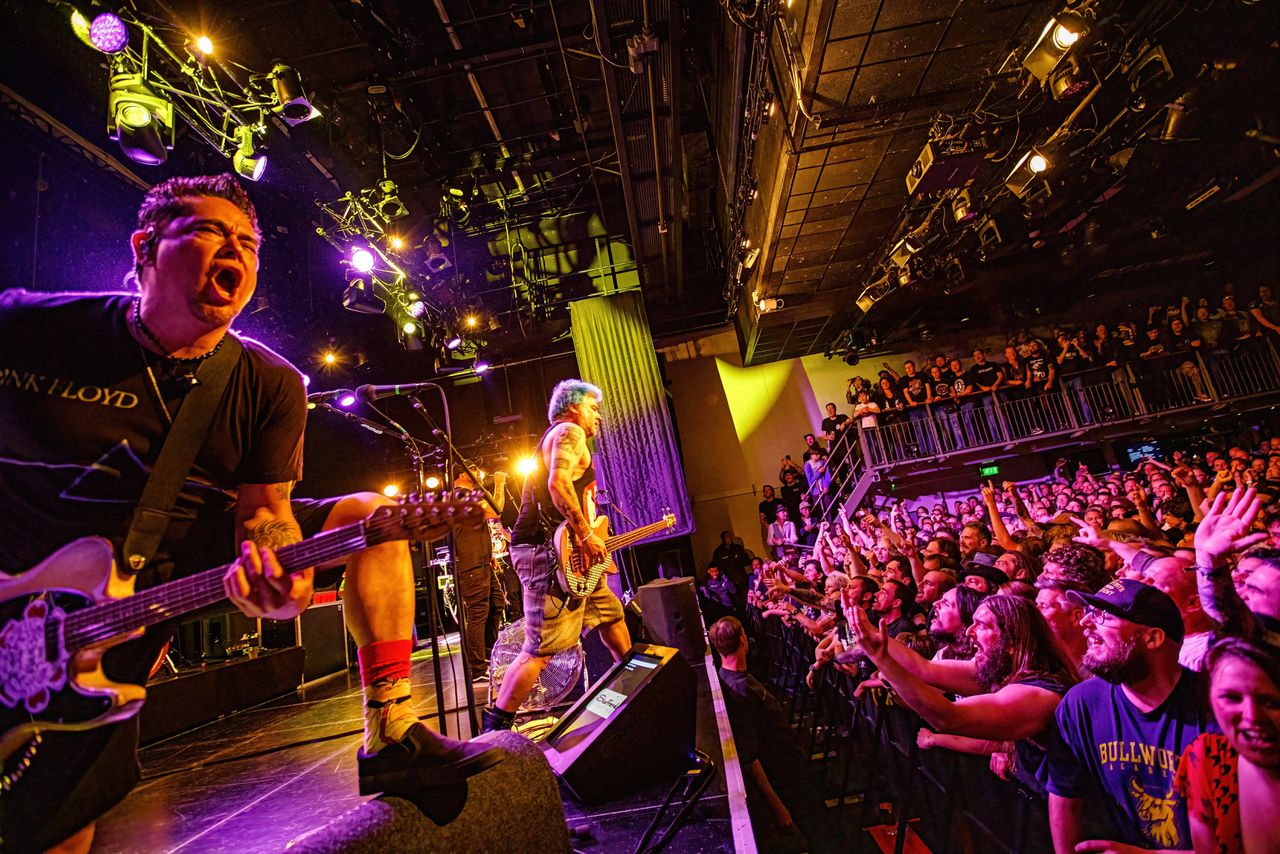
(274, 533)
(284, 490)
(568, 449)
(567, 452)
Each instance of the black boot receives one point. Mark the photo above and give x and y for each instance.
(423, 767)
(492, 719)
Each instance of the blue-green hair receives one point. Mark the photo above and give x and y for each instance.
(570, 392)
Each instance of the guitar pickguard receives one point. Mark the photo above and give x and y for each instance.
(30, 672)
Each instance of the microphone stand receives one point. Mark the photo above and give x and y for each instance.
(451, 451)
(417, 461)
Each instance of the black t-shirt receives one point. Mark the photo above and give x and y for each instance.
(80, 428)
(984, 375)
(1038, 366)
(913, 386)
(732, 560)
(835, 423)
(941, 388)
(760, 727)
(769, 507)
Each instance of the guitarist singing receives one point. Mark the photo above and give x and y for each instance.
(89, 388)
(561, 488)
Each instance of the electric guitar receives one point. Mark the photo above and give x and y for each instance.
(576, 579)
(58, 619)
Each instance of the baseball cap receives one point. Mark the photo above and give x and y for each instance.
(1136, 602)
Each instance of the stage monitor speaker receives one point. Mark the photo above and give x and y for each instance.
(671, 615)
(633, 728)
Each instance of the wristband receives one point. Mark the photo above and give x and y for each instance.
(1206, 571)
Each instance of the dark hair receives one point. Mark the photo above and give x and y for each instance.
(168, 199)
(1080, 563)
(726, 635)
(982, 529)
(1265, 658)
(1033, 647)
(949, 548)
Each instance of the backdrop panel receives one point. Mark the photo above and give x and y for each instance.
(639, 462)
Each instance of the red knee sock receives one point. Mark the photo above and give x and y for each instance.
(384, 661)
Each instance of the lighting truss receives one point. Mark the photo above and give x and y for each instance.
(225, 104)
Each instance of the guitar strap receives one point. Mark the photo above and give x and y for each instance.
(184, 440)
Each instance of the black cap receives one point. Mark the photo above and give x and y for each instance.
(983, 565)
(1136, 602)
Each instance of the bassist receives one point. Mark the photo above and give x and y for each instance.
(562, 488)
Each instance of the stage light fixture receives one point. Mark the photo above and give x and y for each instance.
(329, 357)
(410, 328)
(108, 33)
(437, 261)
(395, 241)
(141, 122)
(432, 481)
(962, 206)
(453, 343)
(347, 400)
(358, 297)
(1068, 80)
(526, 466)
(417, 308)
(361, 260)
(1059, 35)
(471, 321)
(481, 367)
(205, 45)
(248, 163)
(904, 249)
(391, 490)
(389, 206)
(1029, 167)
(291, 99)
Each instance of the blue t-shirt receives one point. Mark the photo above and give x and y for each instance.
(1125, 760)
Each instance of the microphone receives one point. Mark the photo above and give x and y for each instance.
(377, 392)
(341, 394)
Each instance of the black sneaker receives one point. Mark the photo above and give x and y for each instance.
(406, 770)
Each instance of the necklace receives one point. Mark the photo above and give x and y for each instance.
(164, 351)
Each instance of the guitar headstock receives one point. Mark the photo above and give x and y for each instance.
(423, 515)
(668, 518)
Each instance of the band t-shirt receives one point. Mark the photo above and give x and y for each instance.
(984, 375)
(833, 424)
(1125, 760)
(1038, 369)
(914, 387)
(81, 426)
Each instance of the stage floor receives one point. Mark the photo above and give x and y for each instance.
(253, 781)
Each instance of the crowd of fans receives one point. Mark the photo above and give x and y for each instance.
(1110, 640)
(960, 398)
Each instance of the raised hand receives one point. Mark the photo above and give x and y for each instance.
(874, 642)
(1225, 526)
(1090, 535)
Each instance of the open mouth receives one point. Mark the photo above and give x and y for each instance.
(1258, 739)
(227, 279)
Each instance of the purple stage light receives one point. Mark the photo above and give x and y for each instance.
(362, 260)
(347, 400)
(108, 33)
(481, 367)
(453, 343)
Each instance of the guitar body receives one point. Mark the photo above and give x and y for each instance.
(576, 579)
(42, 687)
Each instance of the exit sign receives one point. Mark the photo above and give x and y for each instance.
(988, 470)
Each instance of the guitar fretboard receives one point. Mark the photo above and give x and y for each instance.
(167, 601)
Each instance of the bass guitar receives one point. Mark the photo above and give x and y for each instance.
(58, 619)
(578, 580)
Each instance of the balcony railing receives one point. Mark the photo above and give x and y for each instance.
(1101, 396)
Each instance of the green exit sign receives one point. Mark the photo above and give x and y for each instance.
(988, 470)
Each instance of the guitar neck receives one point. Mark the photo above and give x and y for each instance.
(621, 541)
(176, 598)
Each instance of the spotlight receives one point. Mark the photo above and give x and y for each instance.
(453, 343)
(471, 321)
(904, 249)
(437, 261)
(141, 122)
(389, 206)
(306, 381)
(410, 328)
(358, 297)
(395, 241)
(291, 100)
(433, 481)
(1032, 164)
(962, 206)
(329, 357)
(417, 308)
(526, 466)
(247, 162)
(347, 400)
(107, 33)
(1068, 80)
(204, 45)
(904, 277)
(1058, 37)
(361, 260)
(391, 490)
(481, 367)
